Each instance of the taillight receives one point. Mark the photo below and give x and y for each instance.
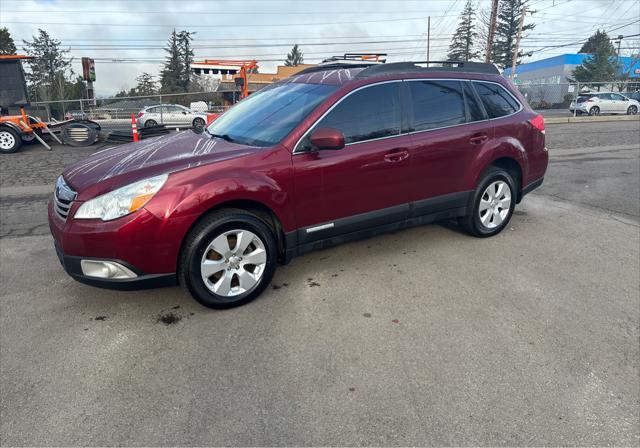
(538, 123)
(140, 114)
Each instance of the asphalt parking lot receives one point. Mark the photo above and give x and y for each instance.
(422, 337)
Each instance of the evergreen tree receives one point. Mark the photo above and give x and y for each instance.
(602, 65)
(508, 21)
(186, 57)
(295, 57)
(595, 41)
(50, 71)
(172, 74)
(7, 45)
(463, 46)
(146, 85)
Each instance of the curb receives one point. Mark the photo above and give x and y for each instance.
(591, 119)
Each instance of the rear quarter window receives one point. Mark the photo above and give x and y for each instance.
(497, 101)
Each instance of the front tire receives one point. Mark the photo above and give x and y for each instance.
(228, 259)
(493, 202)
(632, 110)
(10, 141)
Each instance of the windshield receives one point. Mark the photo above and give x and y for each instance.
(267, 116)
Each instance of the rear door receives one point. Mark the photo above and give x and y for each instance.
(606, 103)
(448, 127)
(619, 103)
(364, 184)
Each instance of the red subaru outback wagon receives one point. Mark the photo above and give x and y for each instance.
(331, 154)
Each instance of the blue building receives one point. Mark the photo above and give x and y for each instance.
(548, 79)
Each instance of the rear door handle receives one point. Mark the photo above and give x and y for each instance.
(478, 139)
(396, 155)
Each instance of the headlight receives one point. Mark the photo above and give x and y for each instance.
(122, 201)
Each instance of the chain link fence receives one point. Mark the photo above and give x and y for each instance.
(184, 110)
(114, 114)
(559, 96)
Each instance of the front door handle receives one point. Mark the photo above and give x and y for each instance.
(396, 155)
(478, 139)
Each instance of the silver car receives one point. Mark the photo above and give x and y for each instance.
(604, 103)
(172, 115)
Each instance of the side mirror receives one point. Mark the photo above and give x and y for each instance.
(327, 138)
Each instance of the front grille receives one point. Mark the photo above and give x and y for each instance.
(63, 196)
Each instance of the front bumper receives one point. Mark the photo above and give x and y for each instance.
(72, 264)
(136, 241)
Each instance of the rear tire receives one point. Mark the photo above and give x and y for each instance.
(10, 141)
(632, 110)
(492, 206)
(228, 259)
(150, 123)
(595, 110)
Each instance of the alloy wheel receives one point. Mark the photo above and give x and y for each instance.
(495, 204)
(233, 263)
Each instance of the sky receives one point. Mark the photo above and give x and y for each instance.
(127, 38)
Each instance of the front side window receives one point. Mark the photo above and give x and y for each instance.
(617, 97)
(436, 104)
(267, 116)
(369, 113)
(497, 101)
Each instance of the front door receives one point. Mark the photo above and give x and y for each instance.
(364, 184)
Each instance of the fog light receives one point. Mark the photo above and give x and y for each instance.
(105, 269)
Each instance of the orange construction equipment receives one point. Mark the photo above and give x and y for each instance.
(227, 67)
(17, 128)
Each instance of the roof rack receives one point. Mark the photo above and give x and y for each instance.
(370, 58)
(429, 66)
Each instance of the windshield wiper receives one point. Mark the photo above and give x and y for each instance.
(226, 137)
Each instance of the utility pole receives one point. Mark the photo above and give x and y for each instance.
(492, 30)
(428, 35)
(620, 37)
(517, 47)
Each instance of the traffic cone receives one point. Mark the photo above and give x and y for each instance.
(134, 128)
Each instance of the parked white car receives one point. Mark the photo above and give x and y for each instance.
(171, 115)
(604, 103)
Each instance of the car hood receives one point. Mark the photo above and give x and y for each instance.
(117, 166)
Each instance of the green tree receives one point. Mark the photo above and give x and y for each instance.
(463, 46)
(7, 45)
(50, 72)
(508, 21)
(602, 65)
(295, 57)
(186, 57)
(595, 41)
(146, 85)
(172, 74)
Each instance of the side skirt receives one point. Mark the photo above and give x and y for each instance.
(375, 223)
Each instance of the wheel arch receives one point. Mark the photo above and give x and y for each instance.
(255, 207)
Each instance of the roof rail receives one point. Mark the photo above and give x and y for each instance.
(332, 66)
(428, 66)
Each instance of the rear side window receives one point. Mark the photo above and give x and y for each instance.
(436, 104)
(497, 101)
(372, 112)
